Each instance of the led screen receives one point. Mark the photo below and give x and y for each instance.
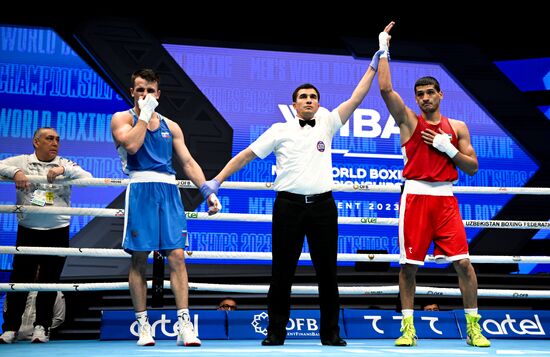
(527, 74)
(530, 75)
(43, 82)
(252, 90)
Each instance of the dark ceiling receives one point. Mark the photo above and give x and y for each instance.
(520, 32)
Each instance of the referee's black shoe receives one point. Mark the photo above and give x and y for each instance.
(273, 340)
(334, 341)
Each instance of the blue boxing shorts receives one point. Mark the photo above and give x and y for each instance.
(155, 219)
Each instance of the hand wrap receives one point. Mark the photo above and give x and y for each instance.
(147, 107)
(442, 143)
(383, 43)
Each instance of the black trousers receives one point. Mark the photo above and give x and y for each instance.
(319, 222)
(35, 268)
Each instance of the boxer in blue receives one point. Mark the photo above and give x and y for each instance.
(155, 219)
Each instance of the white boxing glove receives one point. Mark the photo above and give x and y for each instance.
(147, 107)
(383, 43)
(442, 143)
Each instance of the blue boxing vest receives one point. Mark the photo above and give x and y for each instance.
(154, 155)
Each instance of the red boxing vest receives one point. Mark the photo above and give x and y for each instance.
(423, 161)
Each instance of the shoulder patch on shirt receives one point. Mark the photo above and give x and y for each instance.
(165, 134)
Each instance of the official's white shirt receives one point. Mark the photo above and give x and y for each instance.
(304, 154)
(30, 165)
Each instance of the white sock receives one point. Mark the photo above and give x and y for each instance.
(472, 312)
(407, 312)
(183, 315)
(142, 318)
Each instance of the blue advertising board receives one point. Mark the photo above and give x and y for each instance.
(354, 323)
(252, 324)
(386, 324)
(122, 325)
(520, 324)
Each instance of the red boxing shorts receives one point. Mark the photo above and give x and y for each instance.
(429, 212)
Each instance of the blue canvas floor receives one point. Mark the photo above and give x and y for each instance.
(238, 348)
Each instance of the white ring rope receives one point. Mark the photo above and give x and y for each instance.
(342, 257)
(263, 186)
(246, 217)
(382, 290)
(297, 290)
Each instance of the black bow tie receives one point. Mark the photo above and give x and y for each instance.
(307, 122)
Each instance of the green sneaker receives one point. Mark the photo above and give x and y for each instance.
(475, 338)
(409, 333)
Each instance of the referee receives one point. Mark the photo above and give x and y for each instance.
(304, 205)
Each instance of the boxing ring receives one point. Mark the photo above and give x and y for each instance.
(292, 347)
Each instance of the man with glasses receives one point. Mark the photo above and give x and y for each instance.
(227, 304)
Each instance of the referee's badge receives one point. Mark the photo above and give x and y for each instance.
(320, 146)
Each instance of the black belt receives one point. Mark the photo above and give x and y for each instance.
(304, 198)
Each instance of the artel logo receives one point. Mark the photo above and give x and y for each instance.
(164, 326)
(513, 326)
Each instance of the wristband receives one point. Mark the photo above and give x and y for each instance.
(209, 187)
